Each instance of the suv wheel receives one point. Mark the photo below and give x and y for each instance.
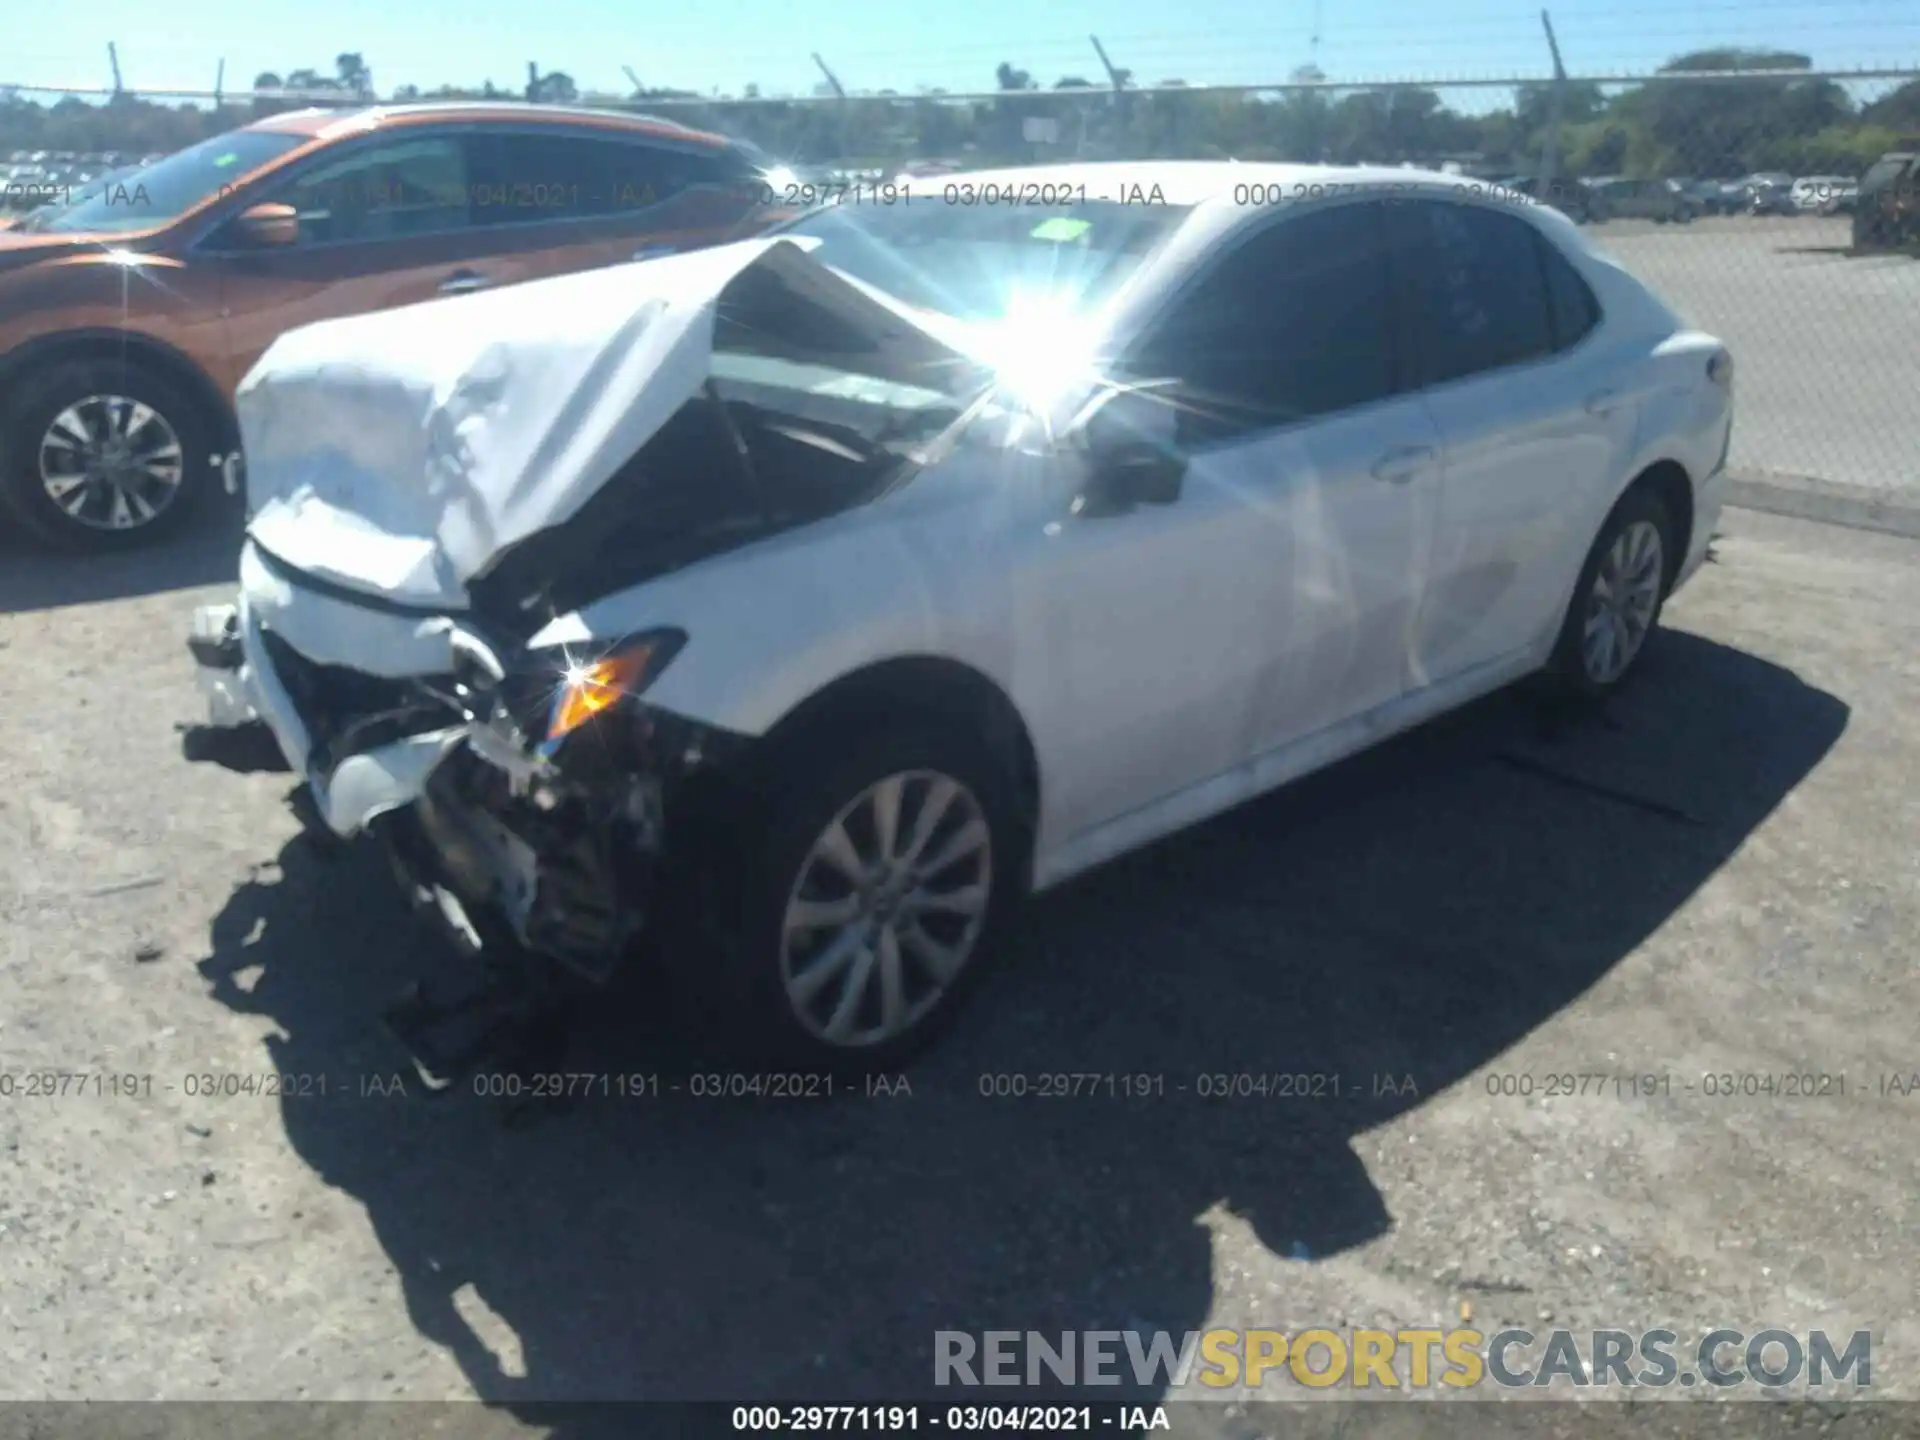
(867, 904)
(104, 455)
(1618, 600)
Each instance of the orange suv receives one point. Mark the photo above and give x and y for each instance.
(128, 316)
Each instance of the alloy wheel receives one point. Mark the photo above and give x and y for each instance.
(1622, 602)
(110, 462)
(887, 908)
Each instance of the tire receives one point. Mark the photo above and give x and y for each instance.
(1572, 670)
(741, 973)
(101, 395)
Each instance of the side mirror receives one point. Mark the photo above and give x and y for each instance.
(268, 226)
(1131, 442)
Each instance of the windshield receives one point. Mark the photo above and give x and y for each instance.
(173, 185)
(987, 262)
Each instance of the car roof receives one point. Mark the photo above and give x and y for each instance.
(317, 122)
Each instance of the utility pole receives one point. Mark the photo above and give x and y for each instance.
(533, 80)
(833, 80)
(1556, 99)
(634, 80)
(113, 59)
(219, 84)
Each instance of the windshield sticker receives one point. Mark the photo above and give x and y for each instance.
(221, 162)
(1061, 229)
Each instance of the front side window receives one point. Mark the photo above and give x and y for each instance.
(384, 191)
(1296, 322)
(1477, 289)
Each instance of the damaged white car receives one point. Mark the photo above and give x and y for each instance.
(805, 602)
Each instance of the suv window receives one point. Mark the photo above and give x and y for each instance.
(561, 175)
(1477, 289)
(1571, 306)
(1296, 321)
(542, 175)
(383, 192)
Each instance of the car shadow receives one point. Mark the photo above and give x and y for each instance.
(33, 579)
(1407, 915)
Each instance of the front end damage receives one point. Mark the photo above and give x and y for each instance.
(433, 490)
(537, 853)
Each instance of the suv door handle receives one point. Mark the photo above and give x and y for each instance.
(461, 282)
(1603, 402)
(1399, 466)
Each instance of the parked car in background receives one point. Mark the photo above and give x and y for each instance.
(1887, 210)
(127, 319)
(1843, 200)
(781, 600)
(1770, 193)
(1577, 199)
(1657, 200)
(1811, 193)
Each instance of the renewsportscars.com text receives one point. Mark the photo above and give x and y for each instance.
(1400, 1359)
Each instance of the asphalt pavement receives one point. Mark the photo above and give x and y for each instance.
(1716, 878)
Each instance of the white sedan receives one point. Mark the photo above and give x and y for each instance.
(809, 600)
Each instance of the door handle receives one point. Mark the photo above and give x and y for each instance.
(1399, 466)
(462, 282)
(1603, 402)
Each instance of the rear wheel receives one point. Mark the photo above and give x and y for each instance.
(104, 455)
(1617, 603)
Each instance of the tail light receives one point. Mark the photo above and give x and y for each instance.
(1720, 370)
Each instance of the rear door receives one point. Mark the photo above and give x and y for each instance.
(1536, 421)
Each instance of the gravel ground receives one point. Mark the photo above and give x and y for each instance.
(1824, 342)
(1719, 877)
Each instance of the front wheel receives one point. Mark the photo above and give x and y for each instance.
(1617, 602)
(878, 869)
(103, 455)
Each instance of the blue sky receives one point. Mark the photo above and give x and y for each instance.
(725, 44)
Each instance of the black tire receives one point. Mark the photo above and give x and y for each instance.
(42, 399)
(1567, 671)
(730, 968)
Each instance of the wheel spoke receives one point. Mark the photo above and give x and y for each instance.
(837, 849)
(967, 900)
(893, 987)
(886, 813)
(942, 962)
(143, 509)
(831, 961)
(135, 417)
(823, 914)
(75, 425)
(119, 515)
(933, 809)
(969, 839)
(852, 993)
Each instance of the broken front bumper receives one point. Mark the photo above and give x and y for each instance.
(371, 707)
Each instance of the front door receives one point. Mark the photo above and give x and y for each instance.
(1279, 593)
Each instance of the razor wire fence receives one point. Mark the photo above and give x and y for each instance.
(1779, 209)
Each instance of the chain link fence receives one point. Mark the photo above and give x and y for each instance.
(1778, 209)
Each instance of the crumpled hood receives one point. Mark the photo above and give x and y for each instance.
(401, 452)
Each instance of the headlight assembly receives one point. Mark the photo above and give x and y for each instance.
(591, 684)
